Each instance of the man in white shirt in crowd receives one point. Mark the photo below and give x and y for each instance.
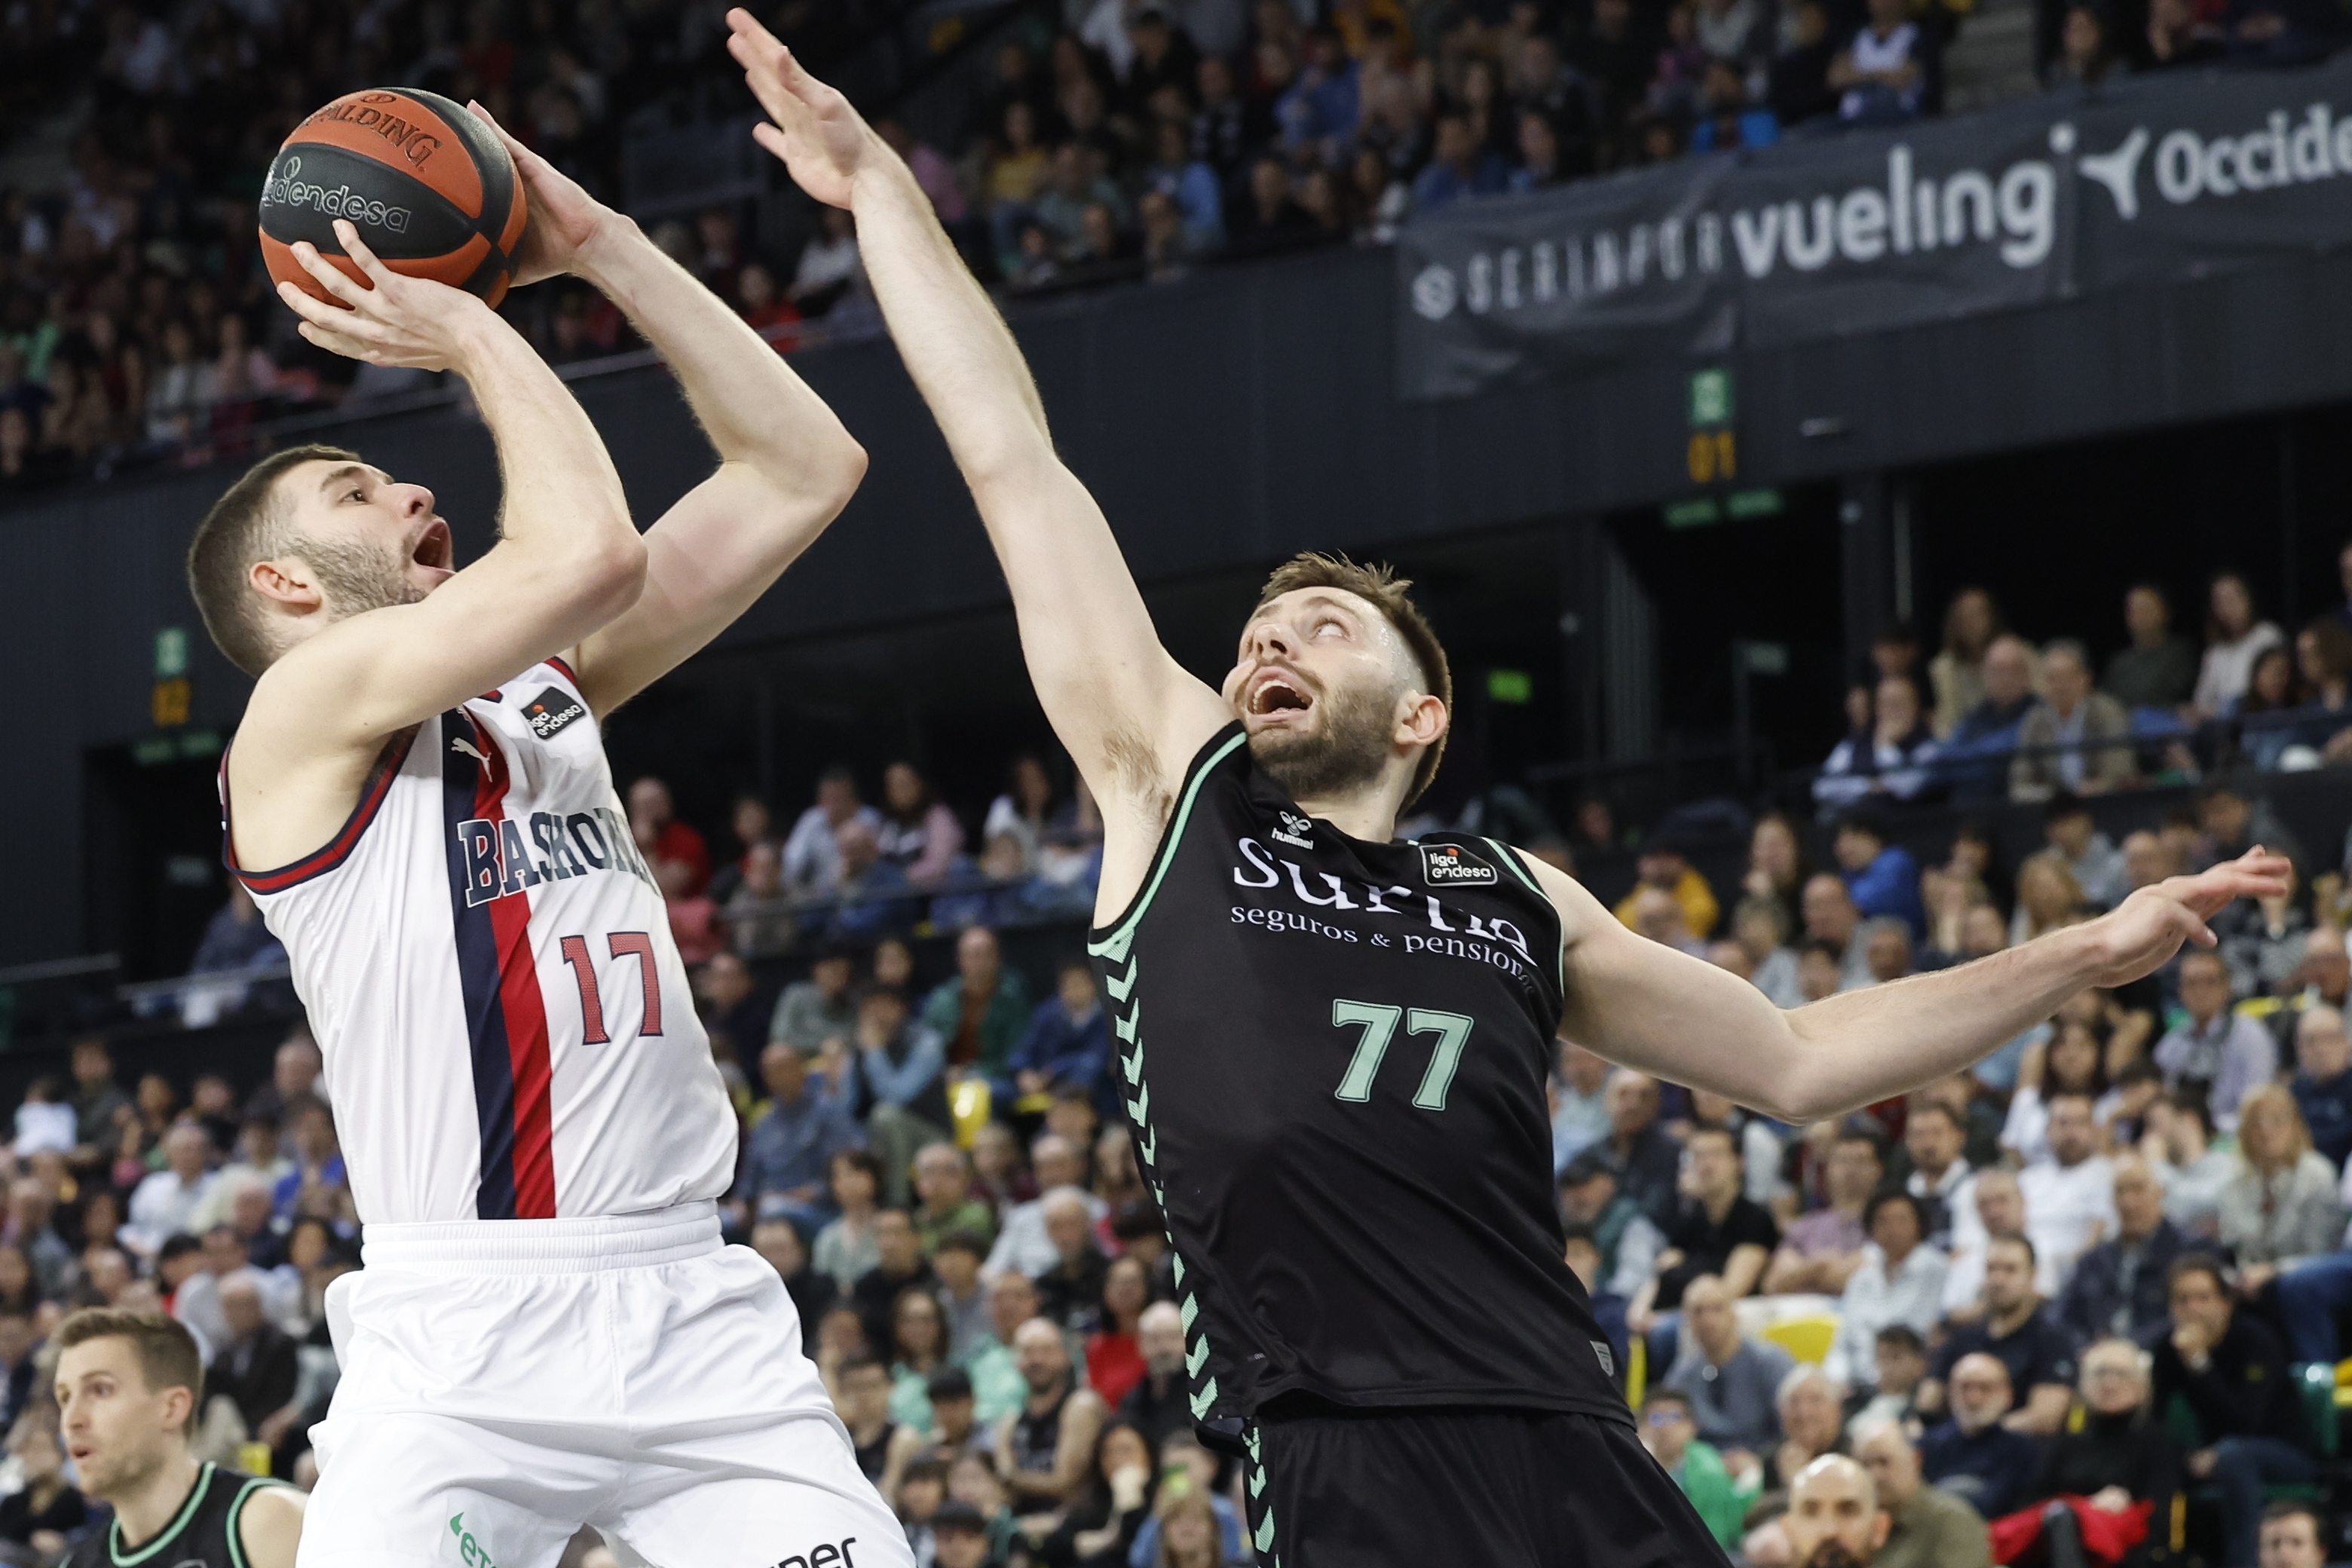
(1580, 1114)
(2000, 1211)
(1901, 1281)
(1023, 1246)
(2215, 1046)
(164, 1204)
(2070, 1197)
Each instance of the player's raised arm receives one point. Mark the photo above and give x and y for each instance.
(786, 467)
(1130, 716)
(1650, 1006)
(567, 560)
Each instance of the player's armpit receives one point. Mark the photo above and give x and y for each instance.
(270, 1527)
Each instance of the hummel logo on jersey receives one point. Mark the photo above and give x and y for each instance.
(1450, 866)
(550, 710)
(1296, 831)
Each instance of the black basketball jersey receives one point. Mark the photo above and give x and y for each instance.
(1335, 1056)
(203, 1535)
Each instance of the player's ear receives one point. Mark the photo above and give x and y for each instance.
(1880, 1525)
(1422, 718)
(180, 1408)
(286, 581)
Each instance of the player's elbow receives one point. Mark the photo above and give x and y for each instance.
(609, 578)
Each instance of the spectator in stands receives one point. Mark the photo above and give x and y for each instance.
(2118, 1286)
(788, 1156)
(1811, 1406)
(898, 1267)
(1881, 877)
(2265, 714)
(1070, 1288)
(1971, 622)
(2017, 1328)
(1024, 1243)
(1927, 1527)
(1717, 1229)
(1665, 865)
(982, 1011)
(1900, 1280)
(2214, 1050)
(2177, 35)
(1820, 1250)
(1115, 1348)
(2158, 668)
(1045, 1450)
(2235, 636)
(2179, 1145)
(917, 834)
(30, 1227)
(812, 855)
(1776, 867)
(1657, 916)
(1158, 1401)
(2282, 1206)
(819, 1008)
(318, 1156)
(1580, 1103)
(1318, 115)
(846, 1249)
(1934, 1137)
(254, 1368)
(2118, 1456)
(1626, 1239)
(2322, 1085)
(2232, 1372)
(2084, 55)
(1670, 1432)
(2096, 865)
(1976, 754)
(900, 1064)
(1889, 758)
(652, 818)
(1761, 928)
(163, 1203)
(1645, 1161)
(2068, 742)
(1977, 1455)
(1066, 1043)
(812, 1294)
(944, 1203)
(1902, 1366)
(1830, 917)
(99, 1101)
(2293, 1535)
(1733, 1382)
(2069, 1192)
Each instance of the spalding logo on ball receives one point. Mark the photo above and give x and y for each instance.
(430, 188)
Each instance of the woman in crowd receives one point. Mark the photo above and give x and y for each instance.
(1114, 1353)
(1887, 757)
(2265, 710)
(919, 834)
(2048, 897)
(893, 964)
(2281, 1205)
(1024, 811)
(919, 1345)
(1098, 1528)
(2234, 639)
(2072, 1061)
(999, 1173)
(2323, 655)
(1777, 866)
(2118, 1455)
(20, 1292)
(1901, 1281)
(846, 1248)
(1956, 672)
(1189, 1537)
(47, 1511)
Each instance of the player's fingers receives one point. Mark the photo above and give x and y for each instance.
(768, 136)
(525, 159)
(356, 249)
(309, 307)
(332, 341)
(331, 278)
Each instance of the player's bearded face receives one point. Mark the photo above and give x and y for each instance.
(358, 575)
(1345, 750)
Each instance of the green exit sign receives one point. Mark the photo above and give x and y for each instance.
(1513, 686)
(1710, 398)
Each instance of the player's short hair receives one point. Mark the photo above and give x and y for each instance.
(246, 525)
(1378, 584)
(168, 1357)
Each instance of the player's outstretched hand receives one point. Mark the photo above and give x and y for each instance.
(390, 319)
(2147, 928)
(822, 141)
(565, 218)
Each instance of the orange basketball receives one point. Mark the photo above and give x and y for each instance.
(431, 190)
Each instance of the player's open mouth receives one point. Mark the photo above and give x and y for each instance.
(434, 547)
(1275, 694)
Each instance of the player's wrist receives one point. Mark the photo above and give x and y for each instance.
(615, 237)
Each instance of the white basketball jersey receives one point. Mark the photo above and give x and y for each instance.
(487, 965)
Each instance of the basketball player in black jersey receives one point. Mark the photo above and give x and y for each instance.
(1333, 1044)
(127, 1388)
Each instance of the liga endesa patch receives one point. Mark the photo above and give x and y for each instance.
(1450, 866)
(550, 710)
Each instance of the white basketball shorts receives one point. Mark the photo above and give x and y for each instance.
(505, 1382)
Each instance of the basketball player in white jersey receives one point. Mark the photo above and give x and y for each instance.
(548, 1332)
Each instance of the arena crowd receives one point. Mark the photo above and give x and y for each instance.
(1125, 140)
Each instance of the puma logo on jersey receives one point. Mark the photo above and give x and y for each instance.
(550, 710)
(459, 743)
(1450, 866)
(508, 856)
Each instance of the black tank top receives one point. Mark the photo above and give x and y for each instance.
(203, 1535)
(1036, 1438)
(1335, 1055)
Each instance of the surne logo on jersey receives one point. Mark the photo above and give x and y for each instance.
(550, 710)
(1450, 866)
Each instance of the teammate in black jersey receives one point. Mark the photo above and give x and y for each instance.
(1334, 1046)
(127, 1390)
